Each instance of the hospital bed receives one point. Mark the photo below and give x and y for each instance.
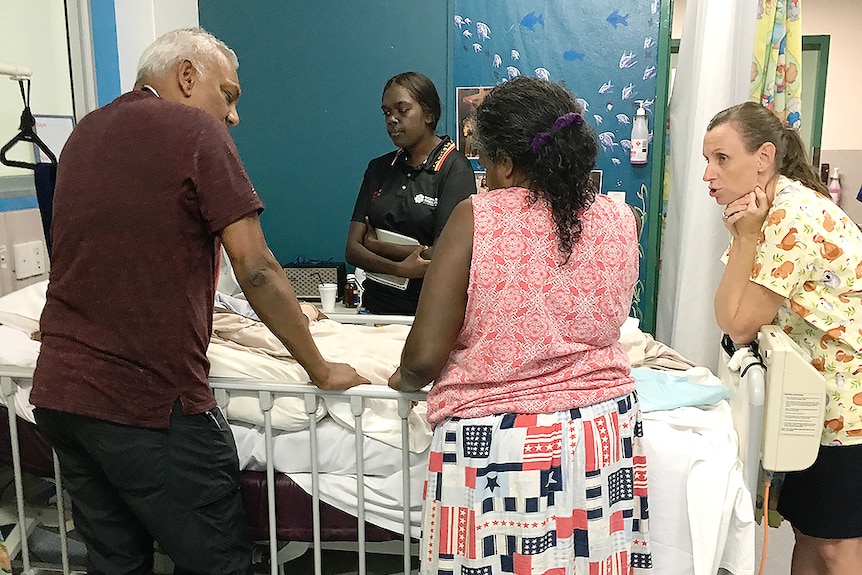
(701, 516)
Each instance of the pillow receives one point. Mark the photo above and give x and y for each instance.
(22, 309)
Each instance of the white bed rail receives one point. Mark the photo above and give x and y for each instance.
(371, 319)
(267, 392)
(744, 375)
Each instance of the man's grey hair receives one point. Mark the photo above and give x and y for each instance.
(193, 44)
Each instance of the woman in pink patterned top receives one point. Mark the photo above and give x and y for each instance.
(536, 464)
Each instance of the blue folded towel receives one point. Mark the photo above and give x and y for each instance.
(661, 390)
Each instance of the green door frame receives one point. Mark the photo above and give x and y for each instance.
(820, 44)
(656, 191)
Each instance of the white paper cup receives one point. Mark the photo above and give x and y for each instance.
(327, 296)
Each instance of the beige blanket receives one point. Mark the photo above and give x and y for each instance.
(644, 351)
(241, 347)
(244, 348)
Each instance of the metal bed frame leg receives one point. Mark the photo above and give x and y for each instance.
(61, 515)
(267, 392)
(7, 388)
(357, 406)
(266, 401)
(404, 409)
(311, 410)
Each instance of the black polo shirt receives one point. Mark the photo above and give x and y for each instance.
(414, 202)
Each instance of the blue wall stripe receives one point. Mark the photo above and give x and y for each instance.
(104, 22)
(16, 204)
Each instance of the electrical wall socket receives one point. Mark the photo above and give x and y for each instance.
(29, 259)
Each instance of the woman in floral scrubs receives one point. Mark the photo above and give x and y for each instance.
(796, 261)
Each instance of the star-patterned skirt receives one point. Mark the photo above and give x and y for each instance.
(560, 493)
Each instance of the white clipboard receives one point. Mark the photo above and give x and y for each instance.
(388, 279)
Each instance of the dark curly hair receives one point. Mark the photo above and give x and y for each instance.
(558, 163)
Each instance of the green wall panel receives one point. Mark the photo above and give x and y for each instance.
(312, 75)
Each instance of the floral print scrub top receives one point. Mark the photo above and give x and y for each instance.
(811, 253)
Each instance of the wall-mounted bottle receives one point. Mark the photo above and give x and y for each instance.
(640, 137)
(835, 185)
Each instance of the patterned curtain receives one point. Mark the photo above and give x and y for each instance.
(776, 69)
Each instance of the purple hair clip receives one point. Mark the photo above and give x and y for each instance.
(541, 139)
(567, 120)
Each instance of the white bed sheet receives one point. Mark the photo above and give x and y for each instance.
(701, 516)
(336, 451)
(373, 351)
(384, 501)
(16, 348)
(690, 452)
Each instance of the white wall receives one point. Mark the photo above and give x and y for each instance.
(839, 19)
(17, 229)
(33, 34)
(842, 136)
(139, 22)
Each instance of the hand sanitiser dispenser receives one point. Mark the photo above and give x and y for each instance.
(640, 137)
(794, 406)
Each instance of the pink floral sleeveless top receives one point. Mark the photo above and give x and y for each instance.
(540, 335)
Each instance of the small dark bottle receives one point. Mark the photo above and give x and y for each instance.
(351, 292)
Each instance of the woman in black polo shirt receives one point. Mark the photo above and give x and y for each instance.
(410, 191)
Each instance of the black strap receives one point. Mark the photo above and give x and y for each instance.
(24, 97)
(26, 133)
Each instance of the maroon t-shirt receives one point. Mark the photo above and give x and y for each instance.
(143, 188)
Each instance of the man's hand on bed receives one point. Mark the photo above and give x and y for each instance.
(339, 376)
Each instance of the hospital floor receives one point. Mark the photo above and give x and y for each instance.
(332, 563)
(45, 556)
(344, 563)
(44, 542)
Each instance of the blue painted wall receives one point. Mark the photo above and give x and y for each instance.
(107, 60)
(604, 52)
(313, 73)
(312, 76)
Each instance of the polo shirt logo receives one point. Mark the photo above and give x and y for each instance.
(427, 200)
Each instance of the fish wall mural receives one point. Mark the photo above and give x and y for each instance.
(604, 52)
